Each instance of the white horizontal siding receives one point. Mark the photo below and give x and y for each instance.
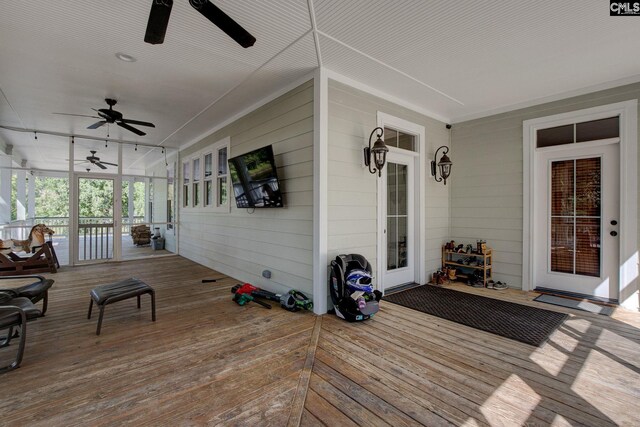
(486, 179)
(242, 244)
(352, 198)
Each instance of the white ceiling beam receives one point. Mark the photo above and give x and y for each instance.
(316, 36)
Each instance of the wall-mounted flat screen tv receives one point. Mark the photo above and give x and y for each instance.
(255, 179)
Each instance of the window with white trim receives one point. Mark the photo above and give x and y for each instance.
(208, 186)
(196, 183)
(185, 183)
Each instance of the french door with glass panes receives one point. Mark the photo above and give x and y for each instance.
(398, 242)
(577, 214)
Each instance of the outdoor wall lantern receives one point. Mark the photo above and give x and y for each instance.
(379, 151)
(443, 166)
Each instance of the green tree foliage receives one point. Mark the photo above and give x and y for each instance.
(95, 197)
(52, 197)
(14, 199)
(138, 199)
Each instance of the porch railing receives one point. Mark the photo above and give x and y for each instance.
(96, 241)
(60, 225)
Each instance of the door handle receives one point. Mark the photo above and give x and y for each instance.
(613, 233)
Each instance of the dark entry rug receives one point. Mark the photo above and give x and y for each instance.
(578, 304)
(518, 322)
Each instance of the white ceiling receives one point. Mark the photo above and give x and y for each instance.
(456, 60)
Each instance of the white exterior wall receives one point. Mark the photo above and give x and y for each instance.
(487, 177)
(352, 198)
(242, 244)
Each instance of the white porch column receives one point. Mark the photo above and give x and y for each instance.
(320, 185)
(130, 206)
(147, 214)
(5, 190)
(31, 201)
(21, 195)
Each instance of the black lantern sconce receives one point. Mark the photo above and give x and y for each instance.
(379, 151)
(443, 167)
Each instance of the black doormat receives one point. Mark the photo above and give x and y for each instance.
(518, 322)
(578, 304)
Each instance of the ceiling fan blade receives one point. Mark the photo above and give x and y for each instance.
(137, 122)
(224, 22)
(76, 115)
(100, 165)
(158, 21)
(96, 125)
(131, 129)
(108, 163)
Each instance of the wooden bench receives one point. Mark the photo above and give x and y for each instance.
(104, 295)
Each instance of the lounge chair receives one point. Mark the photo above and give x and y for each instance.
(36, 291)
(15, 312)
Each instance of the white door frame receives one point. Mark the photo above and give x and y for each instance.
(605, 285)
(628, 241)
(75, 232)
(419, 229)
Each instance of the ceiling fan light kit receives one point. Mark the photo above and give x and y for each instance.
(112, 116)
(161, 11)
(94, 160)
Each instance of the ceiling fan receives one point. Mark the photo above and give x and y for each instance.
(161, 10)
(94, 160)
(112, 116)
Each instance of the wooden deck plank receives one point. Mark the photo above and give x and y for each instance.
(323, 410)
(587, 374)
(206, 361)
(297, 406)
(494, 361)
(467, 392)
(359, 414)
(364, 397)
(426, 400)
(197, 360)
(494, 375)
(309, 420)
(560, 350)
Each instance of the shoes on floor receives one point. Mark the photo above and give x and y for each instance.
(500, 286)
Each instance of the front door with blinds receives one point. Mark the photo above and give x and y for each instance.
(398, 223)
(577, 209)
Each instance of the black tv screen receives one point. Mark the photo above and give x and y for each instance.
(255, 179)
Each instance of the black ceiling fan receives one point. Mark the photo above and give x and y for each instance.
(93, 159)
(112, 116)
(161, 10)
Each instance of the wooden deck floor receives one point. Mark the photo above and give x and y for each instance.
(207, 361)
